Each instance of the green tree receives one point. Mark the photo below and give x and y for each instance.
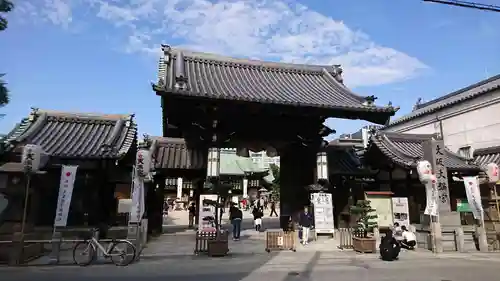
(5, 7)
(275, 170)
(367, 220)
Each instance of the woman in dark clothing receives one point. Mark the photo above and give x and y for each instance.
(257, 218)
(389, 247)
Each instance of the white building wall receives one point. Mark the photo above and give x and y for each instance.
(474, 123)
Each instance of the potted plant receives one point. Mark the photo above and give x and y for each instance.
(363, 240)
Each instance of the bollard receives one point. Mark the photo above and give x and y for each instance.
(460, 239)
(56, 248)
(16, 252)
(413, 229)
(481, 236)
(376, 235)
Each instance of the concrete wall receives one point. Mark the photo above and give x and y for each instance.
(474, 123)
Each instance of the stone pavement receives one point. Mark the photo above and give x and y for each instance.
(286, 266)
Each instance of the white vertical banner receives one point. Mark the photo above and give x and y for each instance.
(474, 197)
(66, 185)
(432, 198)
(245, 188)
(137, 209)
(179, 188)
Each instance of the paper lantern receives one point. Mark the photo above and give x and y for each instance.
(424, 170)
(31, 158)
(492, 172)
(142, 163)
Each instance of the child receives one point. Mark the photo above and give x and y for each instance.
(257, 218)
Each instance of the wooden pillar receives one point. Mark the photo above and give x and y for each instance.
(157, 204)
(297, 170)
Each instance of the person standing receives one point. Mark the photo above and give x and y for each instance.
(192, 214)
(305, 222)
(236, 216)
(273, 208)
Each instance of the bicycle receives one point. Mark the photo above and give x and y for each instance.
(116, 248)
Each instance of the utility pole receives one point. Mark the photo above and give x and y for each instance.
(465, 4)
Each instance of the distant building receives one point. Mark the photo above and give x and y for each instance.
(467, 119)
(262, 160)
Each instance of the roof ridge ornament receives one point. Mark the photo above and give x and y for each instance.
(337, 73)
(180, 75)
(417, 104)
(163, 64)
(370, 100)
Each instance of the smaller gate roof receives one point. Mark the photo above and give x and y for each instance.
(75, 135)
(407, 149)
(484, 156)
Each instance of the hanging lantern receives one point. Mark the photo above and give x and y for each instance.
(424, 170)
(142, 163)
(492, 172)
(213, 162)
(31, 158)
(322, 166)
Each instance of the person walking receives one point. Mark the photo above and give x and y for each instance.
(257, 218)
(236, 216)
(305, 222)
(192, 214)
(273, 209)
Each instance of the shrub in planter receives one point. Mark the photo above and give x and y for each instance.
(366, 222)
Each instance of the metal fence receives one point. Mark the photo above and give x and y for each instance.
(345, 236)
(49, 248)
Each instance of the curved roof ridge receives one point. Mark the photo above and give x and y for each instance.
(212, 57)
(396, 149)
(82, 115)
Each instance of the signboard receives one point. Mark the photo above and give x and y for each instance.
(31, 158)
(474, 196)
(323, 212)
(206, 211)
(66, 185)
(463, 206)
(438, 150)
(400, 211)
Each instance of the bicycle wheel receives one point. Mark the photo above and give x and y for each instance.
(122, 253)
(84, 249)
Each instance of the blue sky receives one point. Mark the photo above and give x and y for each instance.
(100, 56)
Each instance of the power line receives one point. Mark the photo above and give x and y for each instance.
(465, 4)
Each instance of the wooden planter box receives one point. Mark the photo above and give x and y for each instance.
(364, 245)
(281, 240)
(218, 248)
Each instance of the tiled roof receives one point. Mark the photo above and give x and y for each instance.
(173, 153)
(344, 161)
(75, 135)
(232, 164)
(484, 156)
(183, 72)
(464, 94)
(407, 149)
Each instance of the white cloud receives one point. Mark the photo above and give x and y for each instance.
(267, 29)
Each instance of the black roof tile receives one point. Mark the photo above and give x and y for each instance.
(484, 156)
(172, 153)
(464, 94)
(75, 135)
(189, 73)
(407, 149)
(344, 161)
